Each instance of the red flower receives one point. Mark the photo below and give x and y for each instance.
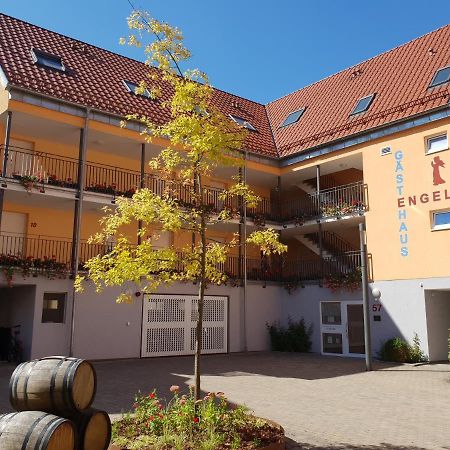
(196, 420)
(151, 395)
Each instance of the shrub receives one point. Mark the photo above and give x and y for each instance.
(295, 338)
(398, 350)
(184, 423)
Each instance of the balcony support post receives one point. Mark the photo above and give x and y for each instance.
(141, 185)
(7, 139)
(241, 213)
(5, 158)
(244, 268)
(79, 201)
(365, 292)
(319, 208)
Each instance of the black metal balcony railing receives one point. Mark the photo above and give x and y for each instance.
(62, 171)
(53, 255)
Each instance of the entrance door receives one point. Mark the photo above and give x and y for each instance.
(169, 325)
(342, 328)
(13, 229)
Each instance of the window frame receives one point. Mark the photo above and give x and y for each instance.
(61, 311)
(430, 138)
(146, 94)
(301, 111)
(238, 118)
(433, 83)
(356, 112)
(39, 57)
(440, 227)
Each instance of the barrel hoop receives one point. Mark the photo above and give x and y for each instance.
(13, 385)
(67, 390)
(31, 429)
(11, 415)
(52, 383)
(47, 432)
(25, 384)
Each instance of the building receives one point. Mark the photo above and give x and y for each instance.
(366, 145)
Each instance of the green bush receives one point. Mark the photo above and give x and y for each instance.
(295, 338)
(398, 350)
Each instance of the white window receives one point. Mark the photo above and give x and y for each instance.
(437, 143)
(441, 220)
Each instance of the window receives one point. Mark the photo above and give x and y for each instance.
(363, 104)
(293, 117)
(132, 89)
(47, 60)
(440, 77)
(53, 308)
(243, 123)
(441, 220)
(437, 143)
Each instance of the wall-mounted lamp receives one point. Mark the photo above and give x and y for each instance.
(376, 293)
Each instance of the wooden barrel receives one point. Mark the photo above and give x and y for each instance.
(56, 385)
(93, 429)
(36, 430)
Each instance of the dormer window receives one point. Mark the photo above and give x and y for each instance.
(133, 87)
(293, 117)
(243, 123)
(47, 60)
(363, 104)
(442, 76)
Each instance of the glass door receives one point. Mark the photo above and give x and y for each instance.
(342, 328)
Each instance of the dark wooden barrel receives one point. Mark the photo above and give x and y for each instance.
(93, 428)
(56, 385)
(36, 430)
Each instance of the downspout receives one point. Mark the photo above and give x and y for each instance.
(77, 218)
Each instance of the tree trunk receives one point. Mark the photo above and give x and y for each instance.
(201, 291)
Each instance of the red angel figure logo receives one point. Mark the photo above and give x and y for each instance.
(437, 163)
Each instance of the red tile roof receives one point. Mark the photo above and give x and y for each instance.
(94, 77)
(399, 78)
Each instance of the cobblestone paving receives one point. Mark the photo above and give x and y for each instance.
(323, 403)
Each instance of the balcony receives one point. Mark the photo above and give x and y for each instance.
(33, 255)
(40, 169)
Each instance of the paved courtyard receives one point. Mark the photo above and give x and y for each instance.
(324, 403)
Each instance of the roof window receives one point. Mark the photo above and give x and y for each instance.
(243, 123)
(133, 87)
(441, 76)
(293, 117)
(363, 104)
(47, 60)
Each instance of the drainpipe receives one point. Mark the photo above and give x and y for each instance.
(365, 289)
(77, 217)
(5, 158)
(322, 266)
(141, 185)
(241, 226)
(244, 268)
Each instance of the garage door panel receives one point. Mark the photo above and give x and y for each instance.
(169, 325)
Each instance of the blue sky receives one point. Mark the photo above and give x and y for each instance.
(259, 49)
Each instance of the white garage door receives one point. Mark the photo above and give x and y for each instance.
(169, 325)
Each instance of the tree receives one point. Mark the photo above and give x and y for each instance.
(200, 139)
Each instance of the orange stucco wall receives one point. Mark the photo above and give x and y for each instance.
(400, 235)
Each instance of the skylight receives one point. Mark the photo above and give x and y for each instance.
(47, 60)
(293, 117)
(132, 88)
(363, 104)
(243, 123)
(441, 76)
